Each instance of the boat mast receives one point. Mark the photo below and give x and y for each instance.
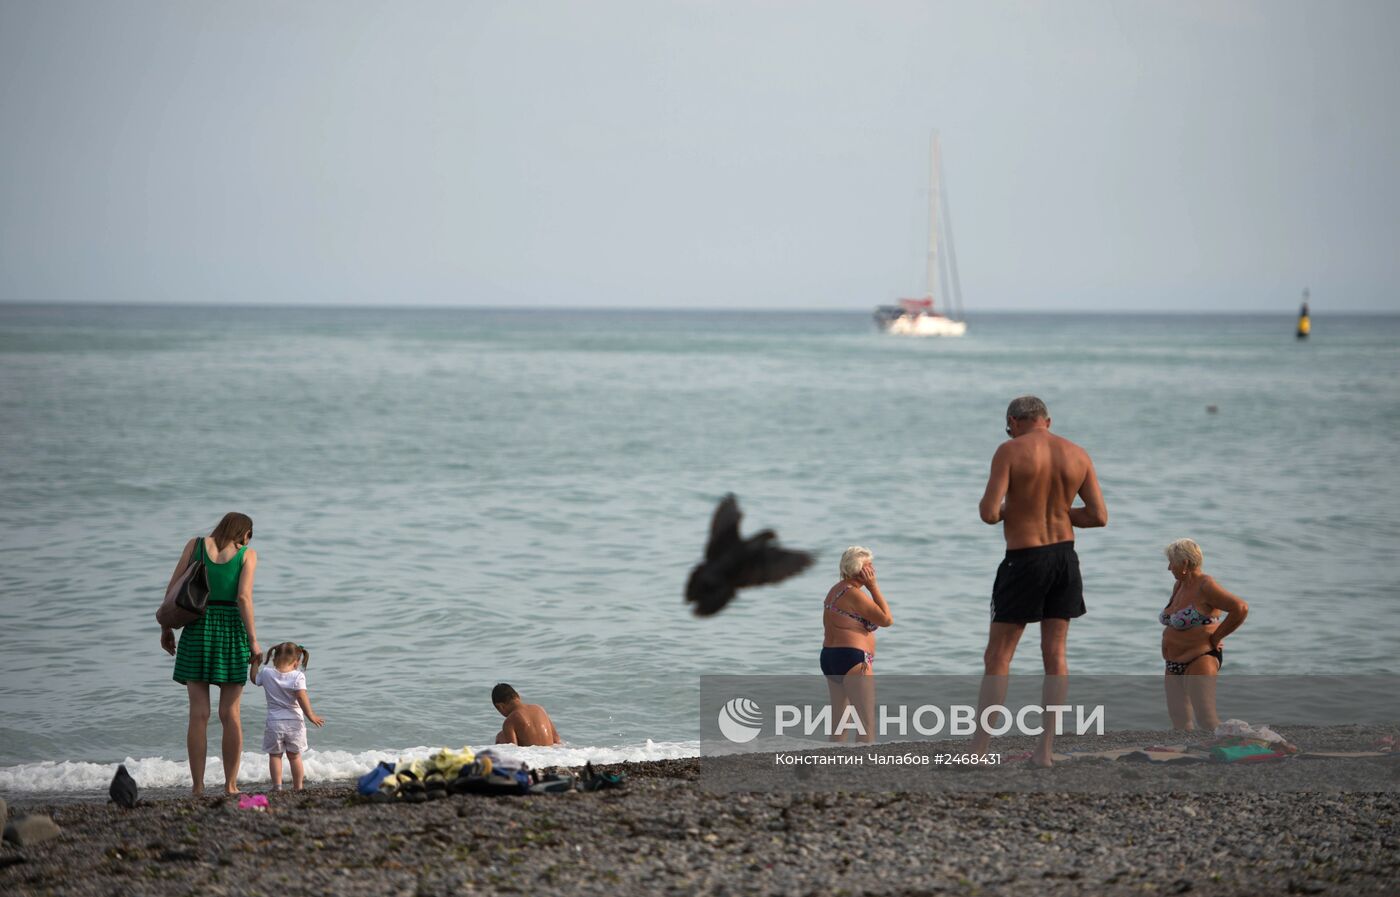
(945, 290)
(931, 273)
(956, 309)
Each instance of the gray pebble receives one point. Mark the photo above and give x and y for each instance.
(27, 830)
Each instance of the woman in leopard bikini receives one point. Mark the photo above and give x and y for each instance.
(1192, 635)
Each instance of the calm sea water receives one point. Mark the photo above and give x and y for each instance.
(446, 499)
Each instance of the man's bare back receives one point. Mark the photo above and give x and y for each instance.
(1039, 474)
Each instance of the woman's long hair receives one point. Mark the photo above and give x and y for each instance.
(232, 528)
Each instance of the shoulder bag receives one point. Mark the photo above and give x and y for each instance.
(188, 594)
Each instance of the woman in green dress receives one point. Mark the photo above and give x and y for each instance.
(216, 648)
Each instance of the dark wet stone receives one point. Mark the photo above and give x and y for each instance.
(177, 856)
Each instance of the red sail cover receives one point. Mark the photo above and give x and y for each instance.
(915, 306)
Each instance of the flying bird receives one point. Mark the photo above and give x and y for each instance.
(733, 562)
(123, 788)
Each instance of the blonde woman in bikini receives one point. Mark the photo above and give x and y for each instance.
(851, 612)
(1191, 636)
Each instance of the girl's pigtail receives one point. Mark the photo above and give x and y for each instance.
(305, 657)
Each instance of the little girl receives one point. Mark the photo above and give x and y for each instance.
(285, 686)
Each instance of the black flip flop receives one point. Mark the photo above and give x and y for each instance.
(600, 781)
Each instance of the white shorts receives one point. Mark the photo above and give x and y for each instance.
(284, 736)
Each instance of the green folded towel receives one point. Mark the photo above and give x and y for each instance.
(1238, 752)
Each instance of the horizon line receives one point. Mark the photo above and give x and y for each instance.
(365, 306)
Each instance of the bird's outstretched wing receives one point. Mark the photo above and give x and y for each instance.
(724, 528)
(771, 564)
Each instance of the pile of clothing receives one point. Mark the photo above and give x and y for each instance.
(1236, 741)
(462, 772)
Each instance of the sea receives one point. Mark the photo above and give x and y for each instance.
(444, 499)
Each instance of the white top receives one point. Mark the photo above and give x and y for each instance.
(281, 691)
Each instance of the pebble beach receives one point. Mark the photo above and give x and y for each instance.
(664, 833)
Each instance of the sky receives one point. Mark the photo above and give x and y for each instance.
(1131, 156)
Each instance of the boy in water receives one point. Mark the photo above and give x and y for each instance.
(526, 724)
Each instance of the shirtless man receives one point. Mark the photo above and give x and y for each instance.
(1034, 480)
(526, 724)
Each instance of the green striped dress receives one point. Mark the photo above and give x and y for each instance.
(215, 647)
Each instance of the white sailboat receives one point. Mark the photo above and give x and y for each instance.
(921, 316)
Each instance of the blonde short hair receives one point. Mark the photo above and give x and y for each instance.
(1185, 551)
(853, 559)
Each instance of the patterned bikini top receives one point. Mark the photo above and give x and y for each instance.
(1186, 618)
(831, 606)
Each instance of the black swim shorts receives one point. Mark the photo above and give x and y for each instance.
(1040, 582)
